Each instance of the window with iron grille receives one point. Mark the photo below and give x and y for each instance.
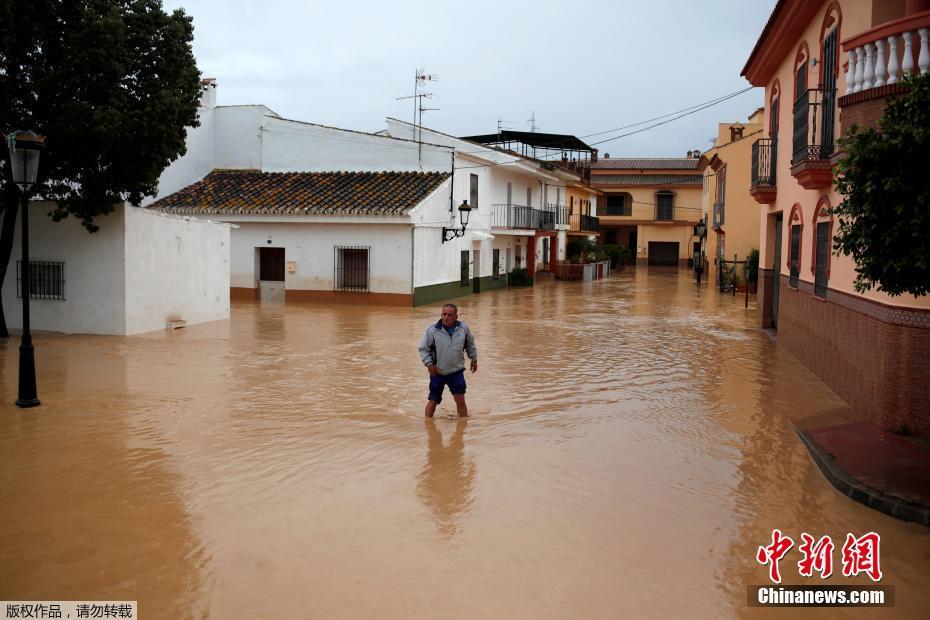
(46, 281)
(473, 196)
(351, 267)
(464, 268)
(496, 257)
(665, 206)
(822, 250)
(795, 256)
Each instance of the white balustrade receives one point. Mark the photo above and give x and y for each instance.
(869, 67)
(850, 71)
(879, 64)
(860, 68)
(892, 60)
(924, 61)
(907, 64)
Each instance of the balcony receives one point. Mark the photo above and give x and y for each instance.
(764, 158)
(514, 216)
(559, 216)
(719, 216)
(877, 60)
(527, 218)
(812, 144)
(579, 222)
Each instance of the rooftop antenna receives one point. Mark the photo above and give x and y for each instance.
(420, 78)
(533, 128)
(532, 122)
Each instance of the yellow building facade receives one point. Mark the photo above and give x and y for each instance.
(731, 213)
(651, 206)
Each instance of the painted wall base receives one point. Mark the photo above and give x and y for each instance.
(872, 356)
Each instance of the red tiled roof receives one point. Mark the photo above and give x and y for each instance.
(647, 179)
(658, 163)
(247, 192)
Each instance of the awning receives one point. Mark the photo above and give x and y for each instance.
(481, 235)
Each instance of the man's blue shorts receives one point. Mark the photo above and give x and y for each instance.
(455, 381)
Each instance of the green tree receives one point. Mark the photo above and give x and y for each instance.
(112, 84)
(884, 219)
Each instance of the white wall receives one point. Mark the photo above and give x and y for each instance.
(238, 142)
(311, 245)
(176, 268)
(138, 269)
(94, 288)
(196, 163)
(291, 146)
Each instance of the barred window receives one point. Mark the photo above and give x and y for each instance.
(665, 205)
(46, 281)
(351, 268)
(821, 253)
(463, 265)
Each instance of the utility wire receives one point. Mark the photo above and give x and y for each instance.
(713, 101)
(675, 118)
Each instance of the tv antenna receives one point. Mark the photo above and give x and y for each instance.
(421, 77)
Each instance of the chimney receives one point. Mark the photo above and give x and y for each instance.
(208, 97)
(736, 132)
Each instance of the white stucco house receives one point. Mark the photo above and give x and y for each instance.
(140, 272)
(322, 212)
(524, 201)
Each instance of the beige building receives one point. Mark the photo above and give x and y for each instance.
(731, 213)
(651, 206)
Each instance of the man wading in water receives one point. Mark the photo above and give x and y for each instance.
(441, 350)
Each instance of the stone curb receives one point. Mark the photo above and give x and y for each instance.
(852, 488)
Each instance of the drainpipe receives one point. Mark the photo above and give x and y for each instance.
(413, 239)
(452, 187)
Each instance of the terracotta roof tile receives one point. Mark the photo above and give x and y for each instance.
(659, 163)
(647, 179)
(245, 192)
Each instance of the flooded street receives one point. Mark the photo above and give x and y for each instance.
(628, 451)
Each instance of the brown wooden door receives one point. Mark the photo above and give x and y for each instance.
(271, 264)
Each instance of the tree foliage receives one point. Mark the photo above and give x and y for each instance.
(884, 219)
(112, 84)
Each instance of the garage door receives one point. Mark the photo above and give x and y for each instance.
(663, 253)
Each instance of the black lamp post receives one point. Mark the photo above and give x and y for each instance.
(701, 231)
(24, 164)
(448, 234)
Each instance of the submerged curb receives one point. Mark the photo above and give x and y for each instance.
(873, 498)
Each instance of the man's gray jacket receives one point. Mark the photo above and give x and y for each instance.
(445, 351)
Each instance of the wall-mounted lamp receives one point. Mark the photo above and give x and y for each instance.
(448, 234)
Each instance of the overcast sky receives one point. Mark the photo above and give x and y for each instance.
(581, 66)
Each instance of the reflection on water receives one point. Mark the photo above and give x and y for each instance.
(632, 436)
(446, 482)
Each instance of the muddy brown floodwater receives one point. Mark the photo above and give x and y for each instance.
(628, 452)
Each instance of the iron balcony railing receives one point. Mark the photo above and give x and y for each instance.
(514, 216)
(559, 211)
(814, 120)
(579, 222)
(547, 219)
(764, 156)
(719, 215)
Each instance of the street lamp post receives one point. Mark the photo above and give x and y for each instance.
(701, 231)
(25, 147)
